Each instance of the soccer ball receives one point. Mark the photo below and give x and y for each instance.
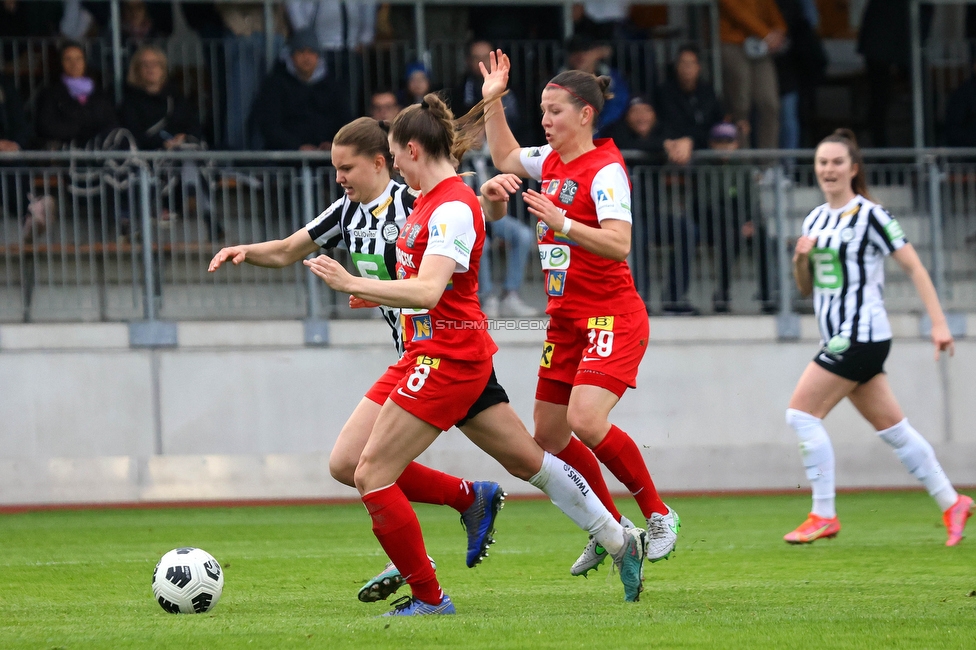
(187, 581)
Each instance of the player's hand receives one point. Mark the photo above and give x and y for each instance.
(334, 274)
(942, 338)
(541, 206)
(803, 246)
(359, 303)
(235, 254)
(500, 187)
(496, 74)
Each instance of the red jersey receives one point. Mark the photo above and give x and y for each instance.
(591, 188)
(447, 221)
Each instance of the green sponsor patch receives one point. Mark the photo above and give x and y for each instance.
(828, 271)
(893, 230)
(371, 266)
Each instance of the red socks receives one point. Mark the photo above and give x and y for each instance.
(582, 459)
(398, 531)
(421, 484)
(620, 454)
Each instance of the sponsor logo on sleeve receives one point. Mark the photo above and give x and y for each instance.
(556, 283)
(893, 230)
(461, 245)
(534, 152)
(547, 350)
(437, 233)
(568, 194)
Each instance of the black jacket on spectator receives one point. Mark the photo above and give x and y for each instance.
(689, 115)
(148, 117)
(805, 61)
(960, 122)
(466, 94)
(290, 113)
(13, 123)
(61, 119)
(626, 138)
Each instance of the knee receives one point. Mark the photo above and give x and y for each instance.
(343, 469)
(800, 420)
(588, 425)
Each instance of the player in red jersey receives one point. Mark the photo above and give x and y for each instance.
(447, 362)
(598, 327)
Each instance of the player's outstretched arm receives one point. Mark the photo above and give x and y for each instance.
(908, 259)
(421, 292)
(273, 254)
(501, 142)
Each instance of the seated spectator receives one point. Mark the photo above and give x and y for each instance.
(140, 20)
(960, 119)
(640, 129)
(383, 106)
(160, 118)
(688, 104)
(583, 53)
(752, 32)
(299, 106)
(73, 110)
(418, 84)
(156, 114)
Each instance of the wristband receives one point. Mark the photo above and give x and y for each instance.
(567, 224)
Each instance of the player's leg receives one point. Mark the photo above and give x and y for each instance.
(815, 395)
(877, 403)
(397, 438)
(499, 432)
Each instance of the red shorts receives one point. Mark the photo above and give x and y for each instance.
(438, 391)
(603, 351)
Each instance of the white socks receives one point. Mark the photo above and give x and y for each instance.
(818, 460)
(918, 457)
(570, 492)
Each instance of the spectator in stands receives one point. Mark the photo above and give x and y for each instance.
(688, 104)
(383, 105)
(13, 137)
(588, 55)
(300, 106)
(73, 110)
(884, 40)
(152, 109)
(731, 220)
(77, 22)
(751, 32)
(640, 129)
(337, 25)
(244, 63)
(141, 20)
(960, 118)
(417, 78)
(800, 66)
(160, 118)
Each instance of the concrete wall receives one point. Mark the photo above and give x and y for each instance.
(244, 410)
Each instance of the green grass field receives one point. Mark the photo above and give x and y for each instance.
(81, 579)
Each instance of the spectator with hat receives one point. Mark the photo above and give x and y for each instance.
(300, 106)
(417, 80)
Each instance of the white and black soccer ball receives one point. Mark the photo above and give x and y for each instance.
(187, 581)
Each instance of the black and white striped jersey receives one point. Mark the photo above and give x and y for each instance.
(847, 268)
(369, 232)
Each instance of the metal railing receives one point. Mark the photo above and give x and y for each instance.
(116, 236)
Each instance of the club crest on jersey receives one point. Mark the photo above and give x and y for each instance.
(422, 329)
(556, 283)
(550, 187)
(389, 232)
(541, 229)
(568, 194)
(412, 234)
(847, 235)
(547, 350)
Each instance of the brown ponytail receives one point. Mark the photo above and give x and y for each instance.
(367, 137)
(432, 125)
(846, 137)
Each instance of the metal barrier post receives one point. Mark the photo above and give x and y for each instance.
(149, 269)
(420, 27)
(117, 49)
(915, 45)
(787, 323)
(316, 329)
(269, 36)
(938, 246)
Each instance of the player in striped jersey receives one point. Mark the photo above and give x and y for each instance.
(840, 259)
